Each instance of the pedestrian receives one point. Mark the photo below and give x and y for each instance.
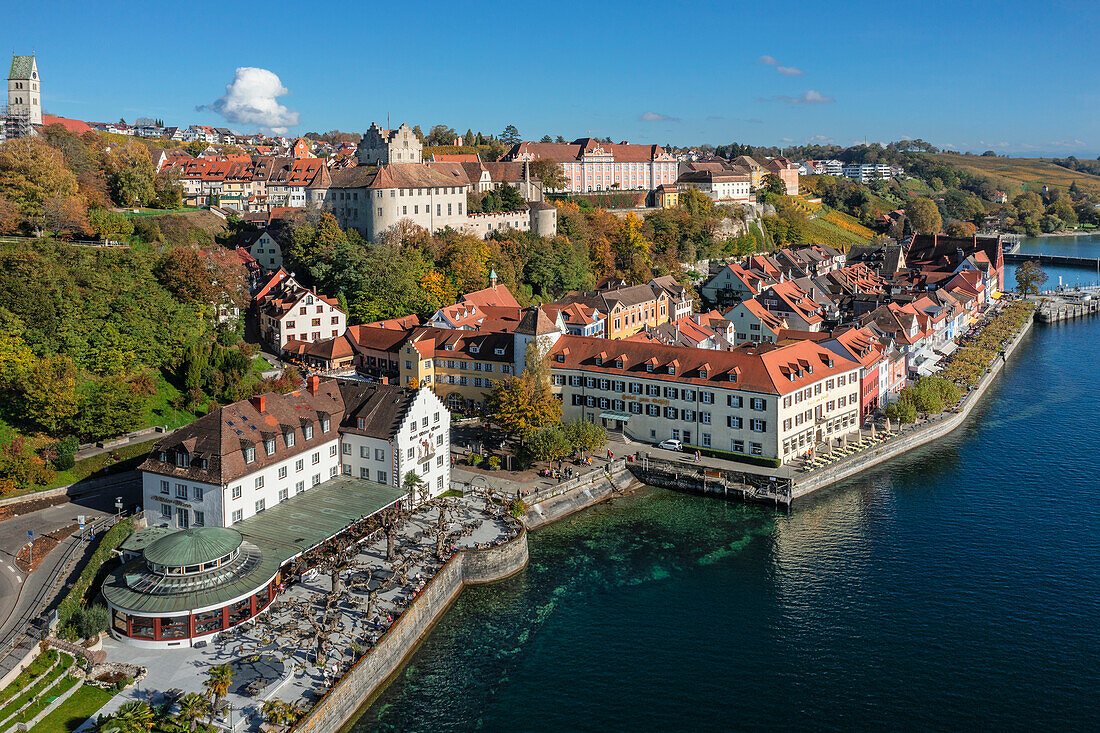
(696, 455)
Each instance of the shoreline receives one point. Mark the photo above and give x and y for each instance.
(862, 462)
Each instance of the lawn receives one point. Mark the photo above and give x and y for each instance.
(1015, 175)
(83, 704)
(160, 410)
(40, 684)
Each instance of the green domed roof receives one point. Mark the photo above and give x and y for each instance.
(193, 546)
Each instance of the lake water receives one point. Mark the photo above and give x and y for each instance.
(955, 589)
(1085, 245)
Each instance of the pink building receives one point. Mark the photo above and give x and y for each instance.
(591, 165)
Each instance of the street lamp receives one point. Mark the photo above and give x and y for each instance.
(118, 506)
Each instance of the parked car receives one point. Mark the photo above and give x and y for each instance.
(671, 444)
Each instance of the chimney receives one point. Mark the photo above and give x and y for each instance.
(258, 402)
(312, 383)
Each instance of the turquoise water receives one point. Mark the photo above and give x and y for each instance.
(955, 589)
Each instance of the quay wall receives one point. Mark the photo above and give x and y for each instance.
(918, 437)
(375, 669)
(568, 497)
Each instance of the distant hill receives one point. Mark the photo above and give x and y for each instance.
(1016, 175)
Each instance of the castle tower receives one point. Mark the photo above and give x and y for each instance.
(25, 90)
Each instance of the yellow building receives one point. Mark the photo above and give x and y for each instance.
(666, 196)
(461, 367)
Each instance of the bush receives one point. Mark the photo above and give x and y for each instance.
(474, 459)
(74, 600)
(517, 508)
(493, 462)
(90, 621)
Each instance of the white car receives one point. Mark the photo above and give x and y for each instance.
(671, 444)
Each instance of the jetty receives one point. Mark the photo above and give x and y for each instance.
(1016, 258)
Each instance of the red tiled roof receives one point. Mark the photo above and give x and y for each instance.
(773, 371)
(77, 126)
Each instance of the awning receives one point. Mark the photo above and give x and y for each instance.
(995, 295)
(611, 415)
(948, 348)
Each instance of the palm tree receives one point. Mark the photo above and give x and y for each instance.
(274, 712)
(192, 707)
(134, 717)
(217, 684)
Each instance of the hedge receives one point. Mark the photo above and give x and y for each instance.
(731, 456)
(111, 539)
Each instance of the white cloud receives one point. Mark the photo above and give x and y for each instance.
(789, 71)
(810, 96)
(656, 117)
(251, 99)
(767, 61)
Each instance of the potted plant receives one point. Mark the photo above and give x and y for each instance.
(493, 463)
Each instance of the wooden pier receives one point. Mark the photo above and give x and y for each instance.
(1016, 258)
(1054, 308)
(732, 484)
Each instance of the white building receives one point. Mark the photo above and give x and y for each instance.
(289, 311)
(246, 457)
(771, 404)
(382, 147)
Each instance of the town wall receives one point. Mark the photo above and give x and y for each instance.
(568, 497)
(369, 676)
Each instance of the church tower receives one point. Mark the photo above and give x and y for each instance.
(25, 90)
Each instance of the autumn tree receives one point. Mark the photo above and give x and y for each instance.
(65, 215)
(50, 397)
(1029, 277)
(549, 173)
(110, 225)
(774, 184)
(32, 172)
(924, 215)
(131, 174)
(9, 216)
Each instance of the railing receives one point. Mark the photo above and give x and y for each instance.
(33, 624)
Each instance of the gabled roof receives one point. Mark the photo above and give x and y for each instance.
(498, 295)
(774, 371)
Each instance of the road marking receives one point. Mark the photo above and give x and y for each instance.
(19, 578)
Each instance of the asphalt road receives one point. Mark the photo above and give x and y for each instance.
(17, 590)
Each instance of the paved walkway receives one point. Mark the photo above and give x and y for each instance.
(279, 645)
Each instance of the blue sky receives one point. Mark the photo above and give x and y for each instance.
(1013, 76)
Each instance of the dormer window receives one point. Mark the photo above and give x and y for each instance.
(183, 459)
(361, 423)
(249, 455)
(308, 430)
(671, 368)
(289, 438)
(618, 363)
(649, 366)
(163, 456)
(500, 352)
(269, 446)
(474, 349)
(702, 374)
(560, 358)
(324, 425)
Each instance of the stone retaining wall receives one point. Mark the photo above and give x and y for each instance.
(905, 443)
(578, 494)
(373, 671)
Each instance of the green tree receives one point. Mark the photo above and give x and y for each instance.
(217, 682)
(134, 717)
(510, 136)
(548, 444)
(441, 135)
(192, 707)
(585, 436)
(924, 215)
(412, 483)
(110, 407)
(1029, 277)
(774, 184)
